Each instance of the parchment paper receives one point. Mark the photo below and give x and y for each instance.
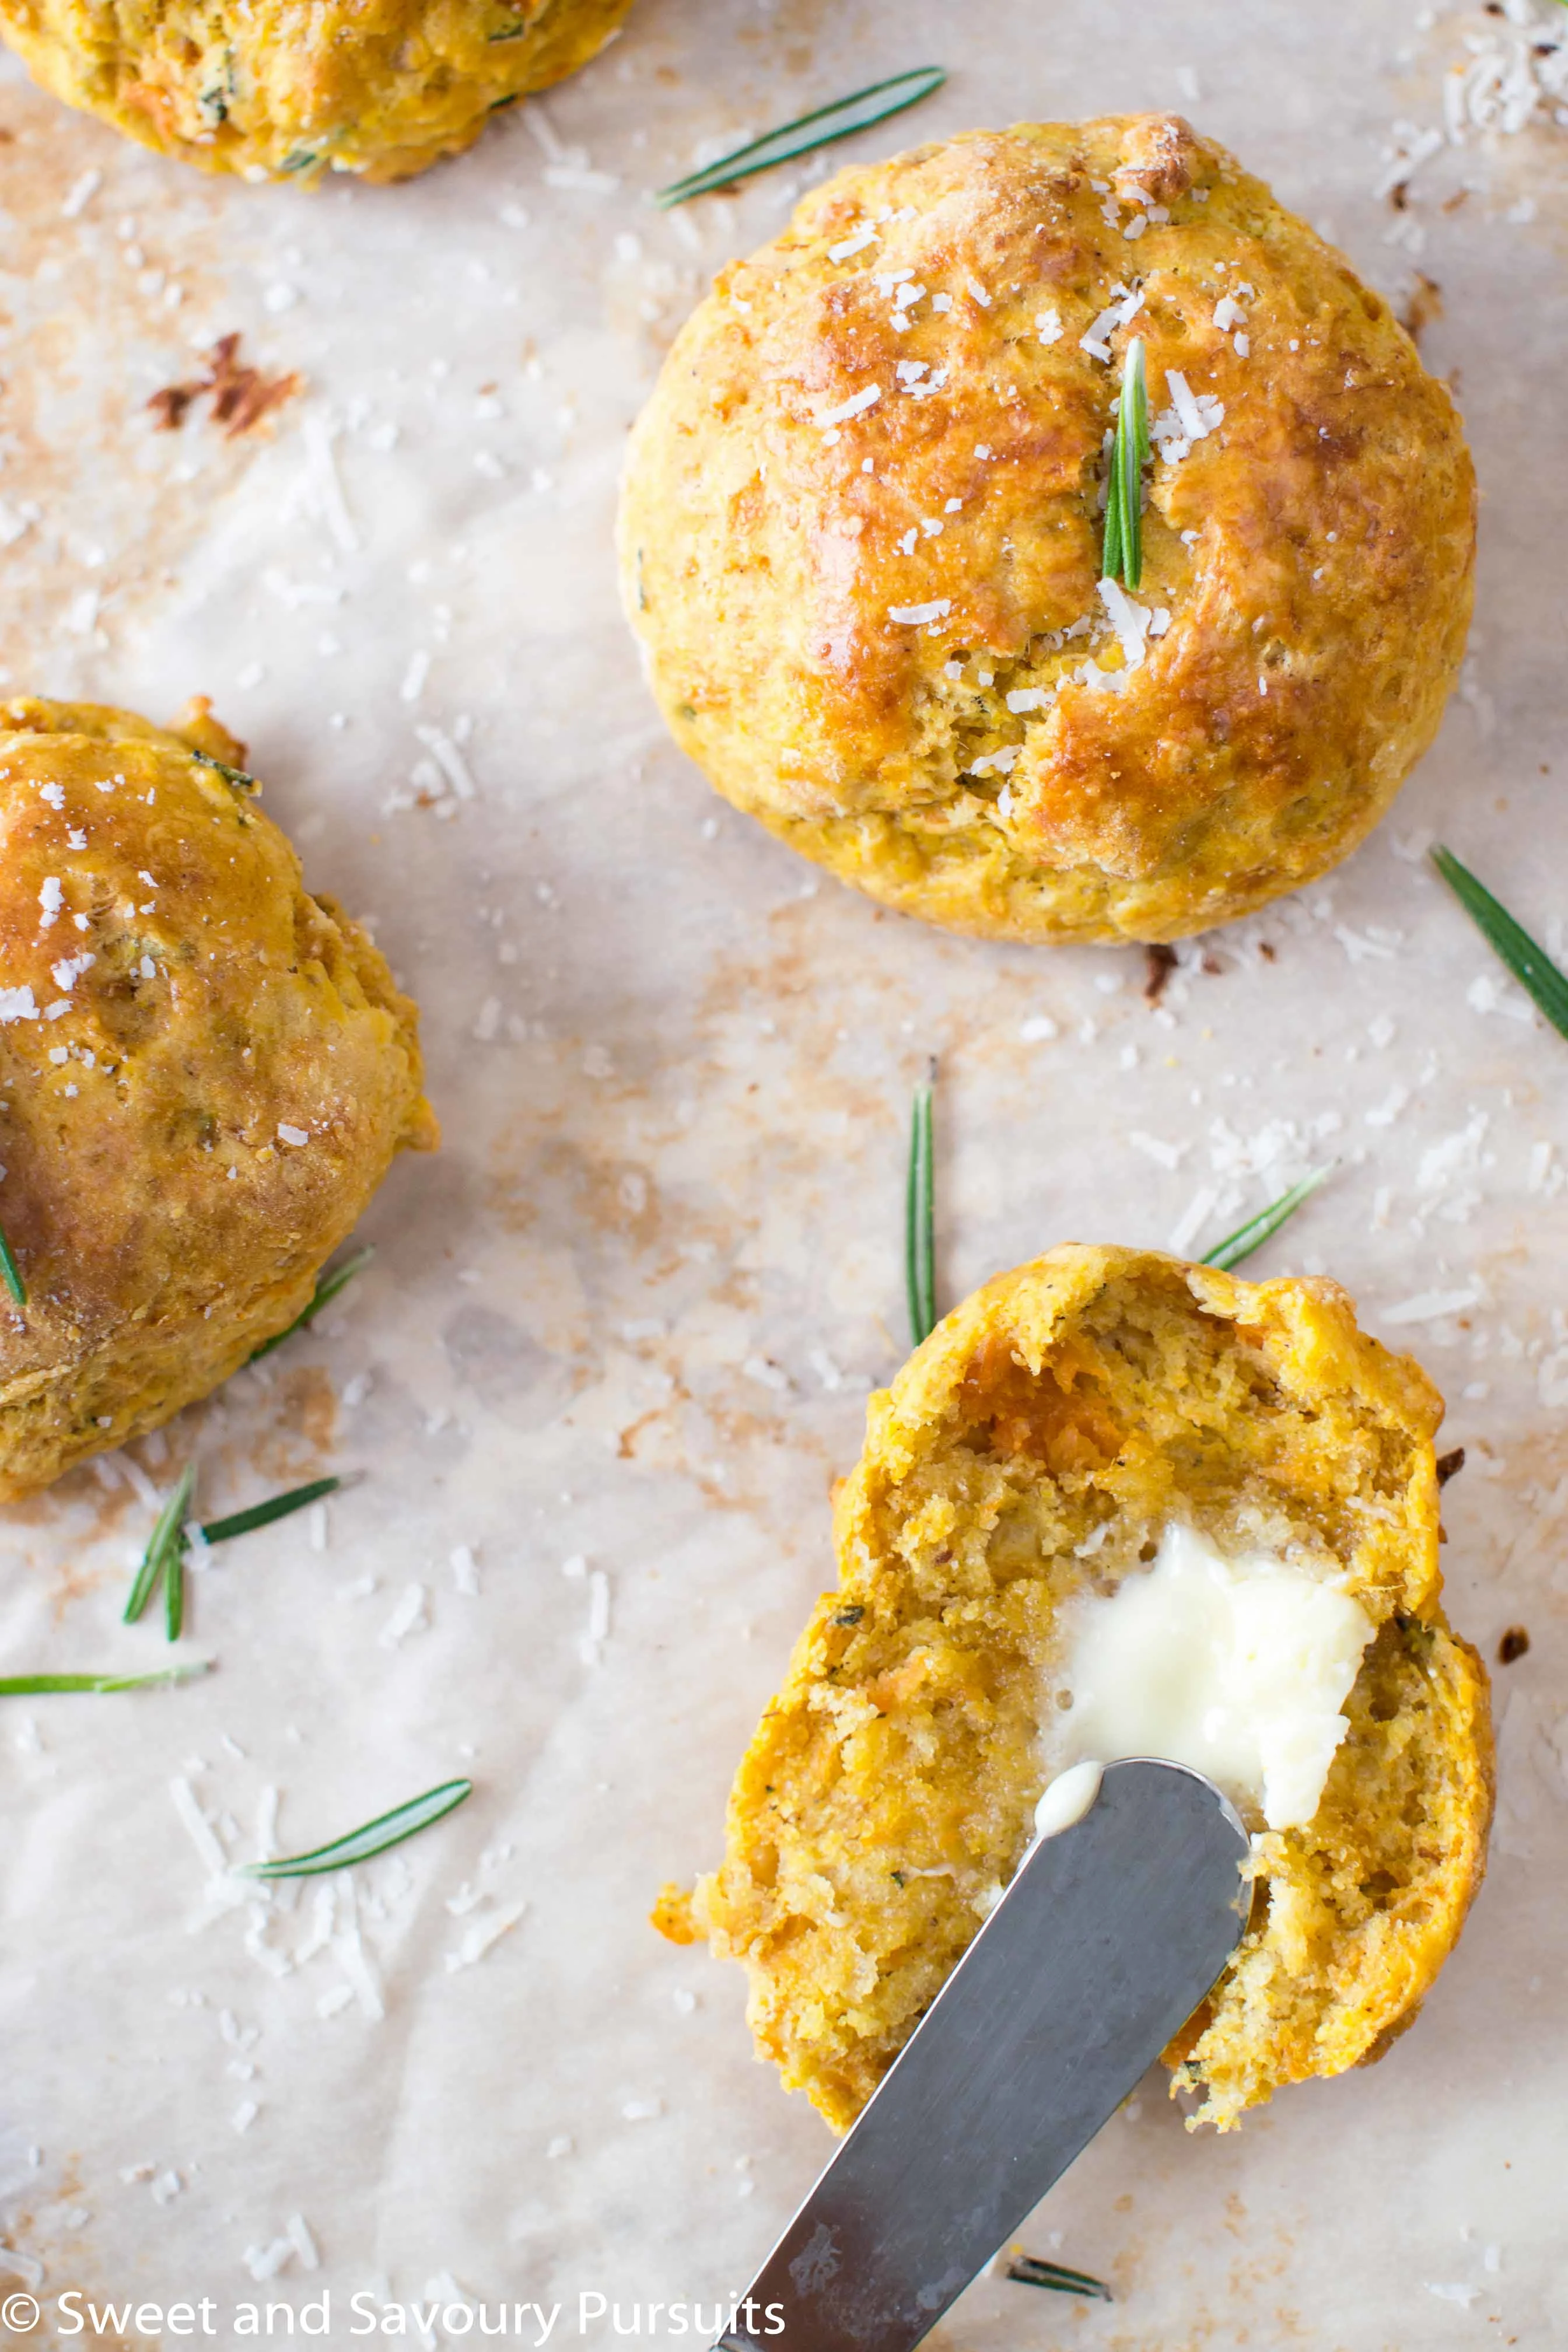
(617, 1339)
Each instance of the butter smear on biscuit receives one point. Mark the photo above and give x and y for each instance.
(1239, 1666)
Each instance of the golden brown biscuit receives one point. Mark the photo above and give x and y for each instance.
(1031, 1452)
(278, 90)
(204, 1072)
(861, 538)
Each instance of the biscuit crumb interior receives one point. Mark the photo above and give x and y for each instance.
(1030, 1453)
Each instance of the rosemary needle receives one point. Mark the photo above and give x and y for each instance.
(1252, 1235)
(1028, 2270)
(12, 1271)
(919, 1217)
(39, 1685)
(1129, 453)
(261, 1515)
(1529, 964)
(374, 1838)
(174, 1587)
(166, 1541)
(327, 1285)
(856, 112)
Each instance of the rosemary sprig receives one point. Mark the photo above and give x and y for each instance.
(276, 1507)
(1028, 2270)
(1529, 964)
(40, 1685)
(375, 1837)
(807, 132)
(1252, 1235)
(1129, 453)
(327, 1285)
(12, 1271)
(169, 1542)
(165, 1543)
(919, 1217)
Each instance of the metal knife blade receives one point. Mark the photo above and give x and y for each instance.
(1105, 1943)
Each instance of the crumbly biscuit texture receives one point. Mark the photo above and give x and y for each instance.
(275, 89)
(204, 1072)
(861, 538)
(1029, 1452)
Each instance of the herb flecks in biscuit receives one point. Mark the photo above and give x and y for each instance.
(272, 91)
(204, 1072)
(1027, 1461)
(865, 537)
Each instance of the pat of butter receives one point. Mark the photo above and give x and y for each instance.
(1236, 1666)
(1068, 1799)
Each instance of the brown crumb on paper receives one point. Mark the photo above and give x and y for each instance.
(241, 396)
(1422, 305)
(1162, 964)
(1513, 1644)
(1448, 1465)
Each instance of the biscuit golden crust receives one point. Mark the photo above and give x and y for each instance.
(277, 89)
(1031, 1452)
(861, 539)
(205, 1074)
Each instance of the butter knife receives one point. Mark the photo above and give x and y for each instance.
(1109, 1938)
